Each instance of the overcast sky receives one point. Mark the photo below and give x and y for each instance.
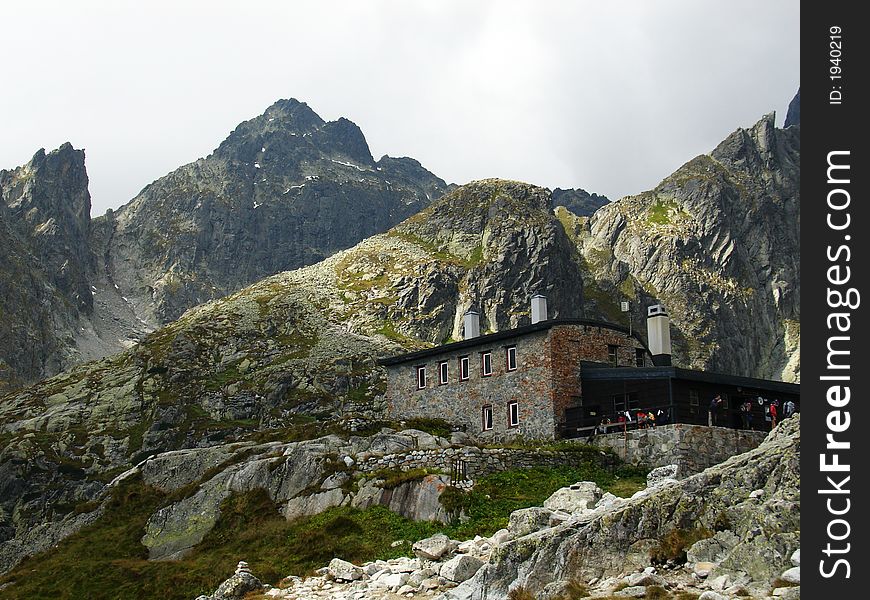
(607, 96)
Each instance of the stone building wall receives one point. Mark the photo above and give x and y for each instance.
(692, 447)
(570, 344)
(461, 402)
(546, 382)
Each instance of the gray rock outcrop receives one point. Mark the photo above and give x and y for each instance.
(263, 202)
(46, 263)
(577, 497)
(793, 116)
(759, 536)
(717, 242)
(417, 500)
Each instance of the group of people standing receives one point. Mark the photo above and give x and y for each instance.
(640, 419)
(771, 409)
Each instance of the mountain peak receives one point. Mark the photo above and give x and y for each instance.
(482, 205)
(37, 157)
(793, 116)
(752, 148)
(65, 153)
(291, 112)
(285, 117)
(47, 209)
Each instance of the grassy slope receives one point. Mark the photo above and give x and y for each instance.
(106, 560)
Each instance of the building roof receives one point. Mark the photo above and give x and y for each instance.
(488, 339)
(597, 371)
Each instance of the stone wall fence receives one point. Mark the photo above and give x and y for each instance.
(479, 462)
(692, 447)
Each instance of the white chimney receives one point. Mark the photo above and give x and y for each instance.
(658, 330)
(472, 325)
(539, 308)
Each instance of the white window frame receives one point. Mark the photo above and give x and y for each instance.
(464, 368)
(443, 373)
(483, 362)
(486, 415)
(513, 413)
(420, 373)
(511, 351)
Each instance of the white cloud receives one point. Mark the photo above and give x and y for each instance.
(610, 96)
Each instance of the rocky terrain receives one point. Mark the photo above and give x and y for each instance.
(718, 243)
(296, 347)
(793, 116)
(301, 346)
(284, 190)
(46, 265)
(217, 397)
(732, 531)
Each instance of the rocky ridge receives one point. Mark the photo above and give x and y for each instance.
(793, 116)
(295, 347)
(578, 201)
(732, 531)
(47, 265)
(717, 243)
(284, 190)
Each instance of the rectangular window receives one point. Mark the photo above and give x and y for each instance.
(513, 414)
(464, 369)
(421, 377)
(619, 403)
(694, 401)
(623, 402)
(613, 355)
(487, 417)
(442, 373)
(486, 363)
(511, 358)
(639, 357)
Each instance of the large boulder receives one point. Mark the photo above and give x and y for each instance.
(341, 570)
(460, 568)
(577, 497)
(417, 500)
(662, 475)
(528, 520)
(314, 504)
(433, 548)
